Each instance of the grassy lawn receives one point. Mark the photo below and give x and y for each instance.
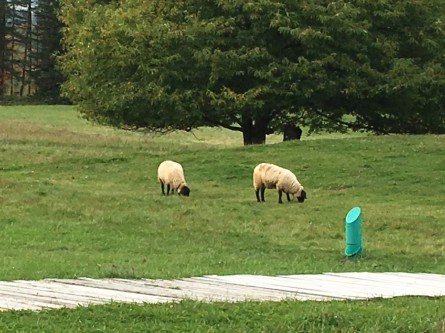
(82, 200)
(404, 315)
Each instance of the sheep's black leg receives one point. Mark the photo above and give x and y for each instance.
(162, 188)
(168, 189)
(288, 197)
(257, 194)
(263, 189)
(280, 194)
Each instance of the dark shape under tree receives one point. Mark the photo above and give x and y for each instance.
(292, 132)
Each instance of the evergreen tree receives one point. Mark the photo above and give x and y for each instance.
(254, 66)
(23, 42)
(4, 33)
(46, 76)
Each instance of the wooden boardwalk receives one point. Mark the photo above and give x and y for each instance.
(70, 293)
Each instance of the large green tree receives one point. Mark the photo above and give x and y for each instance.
(253, 65)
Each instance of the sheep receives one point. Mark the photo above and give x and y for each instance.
(266, 175)
(170, 173)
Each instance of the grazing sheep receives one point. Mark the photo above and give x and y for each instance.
(171, 174)
(266, 175)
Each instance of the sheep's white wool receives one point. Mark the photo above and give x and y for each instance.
(266, 175)
(171, 173)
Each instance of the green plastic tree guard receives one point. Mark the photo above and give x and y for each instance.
(354, 232)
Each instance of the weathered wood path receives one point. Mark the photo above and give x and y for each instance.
(70, 293)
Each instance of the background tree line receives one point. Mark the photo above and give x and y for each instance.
(30, 38)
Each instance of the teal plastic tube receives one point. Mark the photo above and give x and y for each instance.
(354, 232)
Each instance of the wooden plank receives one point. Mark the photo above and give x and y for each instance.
(74, 285)
(188, 289)
(427, 279)
(42, 289)
(303, 286)
(28, 299)
(410, 285)
(323, 287)
(274, 284)
(440, 277)
(243, 289)
(207, 284)
(405, 279)
(384, 277)
(158, 293)
(378, 278)
(169, 286)
(199, 291)
(399, 287)
(372, 287)
(12, 304)
(342, 286)
(178, 288)
(236, 291)
(279, 294)
(346, 289)
(80, 293)
(46, 301)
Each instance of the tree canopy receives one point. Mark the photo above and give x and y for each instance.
(253, 66)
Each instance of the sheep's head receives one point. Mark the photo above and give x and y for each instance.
(185, 191)
(301, 196)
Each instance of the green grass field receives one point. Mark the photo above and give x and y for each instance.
(82, 200)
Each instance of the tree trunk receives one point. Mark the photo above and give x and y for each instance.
(254, 132)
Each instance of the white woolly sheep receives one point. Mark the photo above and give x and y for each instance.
(266, 175)
(170, 173)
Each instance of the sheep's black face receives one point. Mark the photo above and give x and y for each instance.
(185, 191)
(302, 197)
